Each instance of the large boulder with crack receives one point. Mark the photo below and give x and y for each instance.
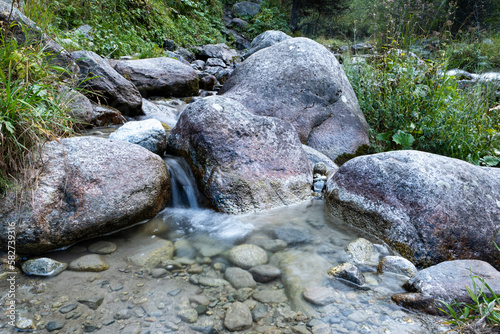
(427, 207)
(243, 162)
(300, 81)
(161, 76)
(83, 187)
(105, 84)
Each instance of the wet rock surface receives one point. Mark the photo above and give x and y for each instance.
(242, 162)
(429, 208)
(84, 187)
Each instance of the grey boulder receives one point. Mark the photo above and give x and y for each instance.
(243, 162)
(159, 76)
(149, 134)
(264, 40)
(300, 81)
(427, 207)
(107, 85)
(221, 51)
(246, 8)
(83, 187)
(447, 281)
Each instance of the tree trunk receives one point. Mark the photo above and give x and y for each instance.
(294, 20)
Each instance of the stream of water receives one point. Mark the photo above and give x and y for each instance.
(298, 240)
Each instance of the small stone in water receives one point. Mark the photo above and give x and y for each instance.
(265, 273)
(270, 296)
(43, 267)
(189, 315)
(320, 295)
(54, 325)
(239, 278)
(68, 308)
(123, 314)
(159, 272)
(102, 247)
(199, 299)
(175, 292)
(293, 235)
(247, 256)
(24, 323)
(348, 272)
(92, 303)
(238, 317)
(397, 265)
(92, 262)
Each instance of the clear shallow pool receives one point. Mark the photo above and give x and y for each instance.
(134, 301)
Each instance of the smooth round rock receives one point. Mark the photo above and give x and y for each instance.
(293, 235)
(43, 267)
(238, 317)
(54, 325)
(240, 278)
(92, 262)
(159, 272)
(362, 251)
(320, 295)
(397, 265)
(265, 273)
(270, 296)
(246, 256)
(102, 247)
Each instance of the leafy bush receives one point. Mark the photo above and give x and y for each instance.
(31, 109)
(411, 106)
(475, 55)
(127, 27)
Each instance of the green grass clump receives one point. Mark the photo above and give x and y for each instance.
(412, 106)
(128, 27)
(475, 56)
(480, 315)
(31, 109)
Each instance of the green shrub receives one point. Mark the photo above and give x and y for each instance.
(128, 27)
(411, 106)
(31, 109)
(269, 18)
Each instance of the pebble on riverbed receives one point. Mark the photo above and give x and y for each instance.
(92, 262)
(102, 247)
(43, 267)
(348, 272)
(247, 256)
(238, 317)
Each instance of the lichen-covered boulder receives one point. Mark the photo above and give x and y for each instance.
(427, 207)
(106, 85)
(300, 81)
(243, 162)
(161, 76)
(83, 187)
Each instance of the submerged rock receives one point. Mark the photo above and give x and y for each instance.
(361, 251)
(92, 262)
(242, 162)
(43, 267)
(427, 207)
(149, 134)
(238, 317)
(446, 282)
(397, 265)
(247, 256)
(96, 75)
(152, 253)
(84, 187)
(300, 81)
(159, 76)
(349, 272)
(239, 278)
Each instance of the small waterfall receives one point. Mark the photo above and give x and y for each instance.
(184, 191)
